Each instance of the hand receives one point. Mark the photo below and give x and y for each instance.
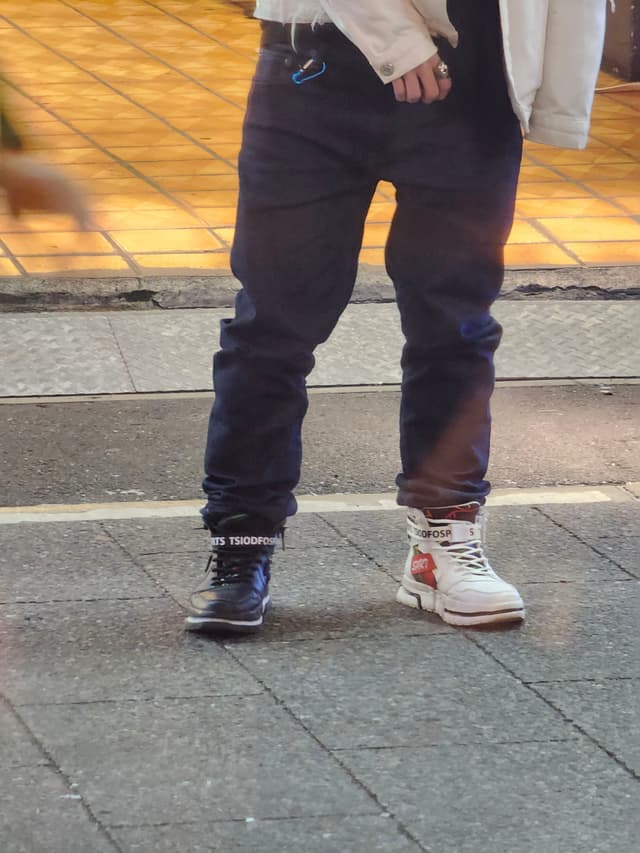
(31, 185)
(421, 84)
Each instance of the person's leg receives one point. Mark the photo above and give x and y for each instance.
(455, 167)
(304, 196)
(445, 255)
(303, 201)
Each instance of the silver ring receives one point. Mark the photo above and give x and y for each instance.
(442, 71)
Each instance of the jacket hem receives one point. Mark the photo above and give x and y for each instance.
(561, 133)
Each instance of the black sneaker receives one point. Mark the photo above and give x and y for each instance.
(236, 594)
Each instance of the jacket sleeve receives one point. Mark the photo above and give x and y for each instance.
(574, 41)
(392, 34)
(436, 16)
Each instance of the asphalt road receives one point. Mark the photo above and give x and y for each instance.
(151, 449)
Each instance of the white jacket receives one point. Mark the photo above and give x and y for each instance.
(552, 50)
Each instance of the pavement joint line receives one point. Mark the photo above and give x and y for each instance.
(326, 638)
(629, 579)
(28, 602)
(476, 640)
(118, 347)
(62, 775)
(584, 732)
(243, 820)
(140, 564)
(458, 743)
(143, 700)
(312, 390)
(583, 541)
(584, 680)
(632, 489)
(331, 503)
(382, 806)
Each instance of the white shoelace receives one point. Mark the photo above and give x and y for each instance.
(470, 556)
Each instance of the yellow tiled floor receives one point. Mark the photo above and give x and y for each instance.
(142, 103)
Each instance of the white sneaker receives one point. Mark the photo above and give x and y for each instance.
(447, 572)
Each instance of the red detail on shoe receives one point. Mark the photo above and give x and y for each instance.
(459, 512)
(423, 567)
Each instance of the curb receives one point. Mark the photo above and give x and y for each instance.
(218, 290)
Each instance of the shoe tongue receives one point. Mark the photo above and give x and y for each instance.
(468, 513)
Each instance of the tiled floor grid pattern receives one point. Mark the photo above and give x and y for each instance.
(142, 102)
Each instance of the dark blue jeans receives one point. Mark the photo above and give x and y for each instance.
(311, 157)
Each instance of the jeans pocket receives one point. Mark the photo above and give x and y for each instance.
(275, 65)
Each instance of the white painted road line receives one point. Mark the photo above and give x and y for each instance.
(47, 513)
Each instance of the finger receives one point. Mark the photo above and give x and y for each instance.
(399, 89)
(430, 88)
(413, 87)
(444, 87)
(443, 83)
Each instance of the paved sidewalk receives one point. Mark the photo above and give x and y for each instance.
(352, 725)
(144, 351)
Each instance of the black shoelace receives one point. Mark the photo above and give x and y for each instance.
(229, 564)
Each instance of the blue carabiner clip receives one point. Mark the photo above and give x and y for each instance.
(298, 76)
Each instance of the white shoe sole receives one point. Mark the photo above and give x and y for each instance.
(509, 609)
(203, 623)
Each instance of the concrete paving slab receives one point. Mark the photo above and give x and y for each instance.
(317, 593)
(160, 536)
(608, 711)
(365, 346)
(158, 351)
(614, 532)
(523, 545)
(67, 562)
(179, 761)
(507, 798)
(172, 536)
(327, 685)
(169, 351)
(60, 354)
(540, 340)
(173, 350)
(17, 749)
(313, 835)
(125, 650)
(165, 351)
(346, 667)
(563, 339)
(534, 550)
(581, 630)
(40, 814)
